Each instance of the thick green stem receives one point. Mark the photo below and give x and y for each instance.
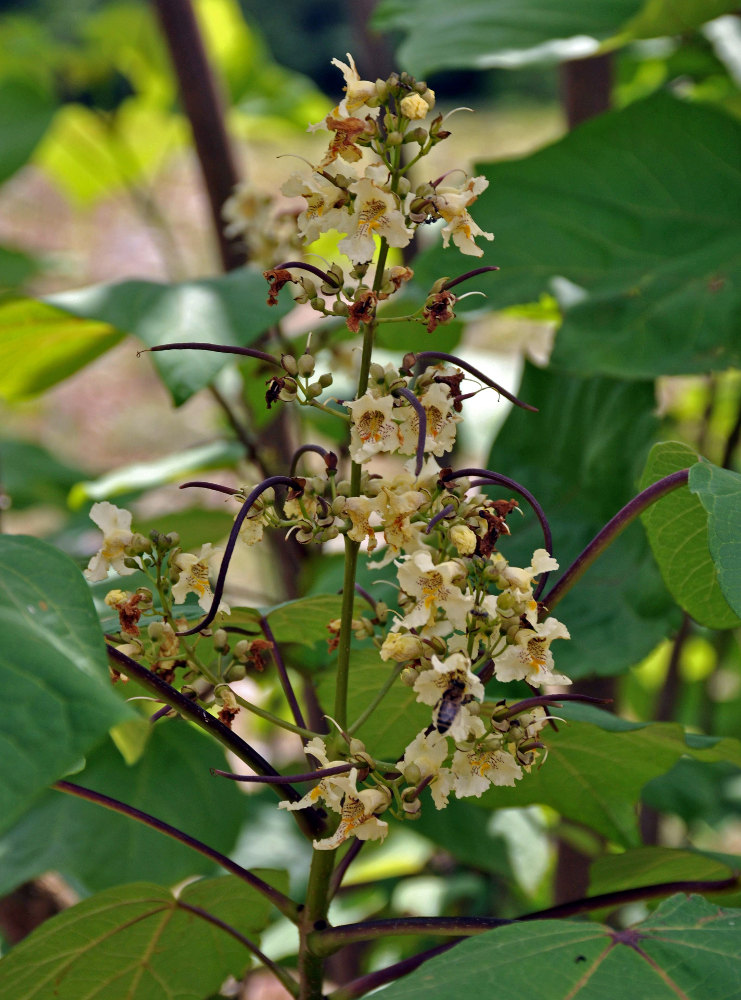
(313, 919)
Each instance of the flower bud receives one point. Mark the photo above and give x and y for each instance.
(288, 363)
(138, 545)
(220, 639)
(237, 671)
(306, 365)
(314, 390)
(400, 647)
(326, 380)
(409, 676)
(464, 539)
(414, 106)
(155, 630)
(394, 138)
(413, 775)
(242, 649)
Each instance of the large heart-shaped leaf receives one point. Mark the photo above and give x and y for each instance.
(73, 836)
(230, 309)
(639, 209)
(25, 114)
(687, 948)
(594, 775)
(53, 672)
(138, 942)
(480, 34)
(677, 529)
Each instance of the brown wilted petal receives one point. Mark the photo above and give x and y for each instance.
(438, 309)
(276, 279)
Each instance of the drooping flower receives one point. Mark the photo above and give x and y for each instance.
(194, 570)
(359, 510)
(423, 758)
(115, 523)
(529, 657)
(375, 213)
(358, 814)
(452, 205)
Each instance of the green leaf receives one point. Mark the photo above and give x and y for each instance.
(398, 718)
(170, 780)
(25, 114)
(32, 475)
(672, 17)
(480, 34)
(644, 866)
(719, 491)
(639, 209)
(147, 475)
(137, 942)
(578, 455)
(16, 268)
(41, 345)
(594, 776)
(230, 309)
(677, 529)
(686, 948)
(53, 671)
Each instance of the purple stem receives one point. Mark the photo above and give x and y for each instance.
(363, 984)
(249, 352)
(611, 530)
(422, 431)
(290, 984)
(285, 779)
(464, 277)
(550, 699)
(440, 355)
(209, 486)
(445, 512)
(303, 266)
(497, 477)
(365, 595)
(288, 691)
(283, 903)
(326, 942)
(344, 863)
(229, 550)
(330, 459)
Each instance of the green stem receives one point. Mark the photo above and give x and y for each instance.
(268, 716)
(311, 964)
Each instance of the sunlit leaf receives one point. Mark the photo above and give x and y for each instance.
(25, 114)
(651, 866)
(41, 345)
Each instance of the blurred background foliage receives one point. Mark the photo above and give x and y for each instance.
(101, 198)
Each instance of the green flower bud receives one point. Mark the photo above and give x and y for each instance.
(155, 630)
(314, 390)
(394, 138)
(288, 363)
(220, 639)
(242, 649)
(306, 365)
(326, 380)
(237, 671)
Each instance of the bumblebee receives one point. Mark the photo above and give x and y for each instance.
(449, 705)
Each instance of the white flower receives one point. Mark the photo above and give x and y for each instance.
(359, 510)
(433, 587)
(529, 658)
(194, 577)
(330, 789)
(372, 430)
(464, 539)
(323, 210)
(375, 213)
(449, 685)
(476, 769)
(357, 92)
(115, 523)
(441, 422)
(452, 204)
(415, 107)
(358, 815)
